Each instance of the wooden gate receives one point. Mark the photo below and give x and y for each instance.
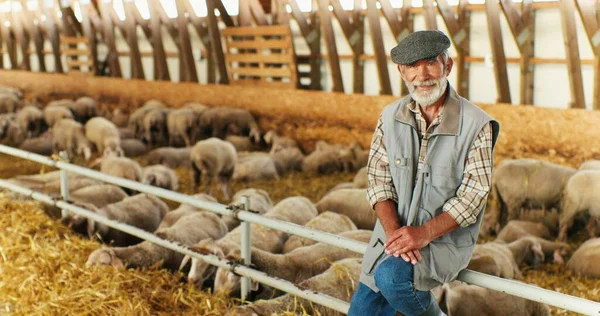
(78, 54)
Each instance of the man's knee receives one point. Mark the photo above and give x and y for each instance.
(393, 272)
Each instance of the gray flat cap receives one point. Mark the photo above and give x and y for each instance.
(420, 45)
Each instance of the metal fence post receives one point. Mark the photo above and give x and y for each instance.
(246, 242)
(64, 183)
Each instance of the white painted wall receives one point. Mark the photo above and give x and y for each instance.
(551, 82)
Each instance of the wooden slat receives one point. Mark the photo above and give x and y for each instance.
(262, 72)
(430, 15)
(258, 58)
(380, 53)
(215, 35)
(75, 52)
(27, 18)
(186, 47)
(258, 12)
(591, 25)
(254, 31)
(225, 17)
(244, 16)
(202, 31)
(459, 34)
(73, 40)
(161, 70)
(258, 44)
(89, 31)
(312, 35)
(76, 62)
(109, 37)
(53, 37)
(269, 84)
(23, 40)
(137, 69)
(334, 61)
(495, 36)
(567, 14)
(358, 67)
(390, 16)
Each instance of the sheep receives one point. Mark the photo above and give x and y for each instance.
(590, 164)
(360, 179)
(297, 210)
(169, 156)
(339, 281)
(584, 260)
(155, 127)
(133, 147)
(136, 119)
(526, 182)
(260, 203)
(160, 176)
(83, 109)
(126, 133)
(10, 133)
(142, 211)
(183, 126)
(287, 159)
(328, 222)
(198, 107)
(105, 135)
(223, 121)
(516, 229)
(328, 159)
(503, 260)
(8, 103)
(580, 194)
(277, 142)
(31, 120)
(295, 266)
(120, 167)
(40, 145)
(361, 157)
(119, 118)
(54, 113)
(18, 93)
(459, 298)
(185, 209)
(342, 185)
(253, 167)
(213, 157)
(241, 143)
(98, 195)
(352, 203)
(69, 135)
(187, 231)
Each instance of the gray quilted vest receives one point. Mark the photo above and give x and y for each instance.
(422, 194)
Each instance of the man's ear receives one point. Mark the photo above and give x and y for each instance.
(449, 65)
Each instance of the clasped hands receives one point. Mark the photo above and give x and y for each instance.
(406, 242)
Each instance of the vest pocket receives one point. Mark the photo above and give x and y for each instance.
(378, 253)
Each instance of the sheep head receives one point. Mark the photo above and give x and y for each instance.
(104, 257)
(229, 282)
(269, 137)
(535, 255)
(85, 151)
(113, 147)
(201, 271)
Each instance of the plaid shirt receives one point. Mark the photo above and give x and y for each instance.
(475, 185)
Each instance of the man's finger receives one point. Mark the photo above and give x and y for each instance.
(412, 257)
(393, 237)
(417, 253)
(404, 256)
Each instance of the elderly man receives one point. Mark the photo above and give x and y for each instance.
(429, 175)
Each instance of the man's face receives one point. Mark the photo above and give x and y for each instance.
(426, 79)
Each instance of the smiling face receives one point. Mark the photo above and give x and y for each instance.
(426, 79)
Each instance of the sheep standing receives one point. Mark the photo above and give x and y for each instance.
(526, 182)
(581, 194)
(223, 121)
(241, 143)
(55, 113)
(31, 120)
(585, 259)
(352, 203)
(327, 222)
(155, 127)
(121, 167)
(503, 260)
(339, 281)
(160, 176)
(69, 135)
(105, 135)
(183, 126)
(136, 119)
(169, 156)
(187, 231)
(213, 158)
(260, 203)
(8, 103)
(83, 109)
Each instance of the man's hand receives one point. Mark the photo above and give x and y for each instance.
(407, 241)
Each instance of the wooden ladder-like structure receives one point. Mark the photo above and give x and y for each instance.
(261, 56)
(78, 54)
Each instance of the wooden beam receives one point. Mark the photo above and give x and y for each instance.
(258, 12)
(90, 32)
(215, 35)
(137, 69)
(401, 26)
(48, 21)
(161, 70)
(459, 34)
(354, 33)
(430, 15)
(312, 35)
(29, 20)
(591, 24)
(279, 13)
(567, 14)
(496, 42)
(204, 35)
(245, 16)
(109, 37)
(334, 61)
(225, 17)
(141, 22)
(186, 45)
(380, 53)
(22, 38)
(72, 20)
(9, 39)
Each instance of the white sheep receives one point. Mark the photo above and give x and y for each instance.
(11, 133)
(69, 135)
(160, 176)
(459, 298)
(133, 147)
(122, 167)
(526, 183)
(260, 203)
(8, 103)
(55, 113)
(40, 145)
(287, 159)
(352, 203)
(590, 164)
(105, 135)
(223, 121)
(119, 118)
(142, 211)
(98, 195)
(31, 120)
(296, 266)
(516, 229)
(169, 156)
(183, 126)
(253, 167)
(155, 127)
(330, 222)
(188, 230)
(503, 260)
(185, 209)
(361, 155)
(580, 194)
(360, 179)
(18, 93)
(297, 210)
(136, 119)
(211, 158)
(328, 159)
(83, 109)
(339, 281)
(585, 259)
(241, 143)
(277, 142)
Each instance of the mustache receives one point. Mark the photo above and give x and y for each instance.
(425, 83)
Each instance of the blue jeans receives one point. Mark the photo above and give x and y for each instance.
(394, 278)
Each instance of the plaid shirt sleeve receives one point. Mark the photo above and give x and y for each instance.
(475, 186)
(380, 186)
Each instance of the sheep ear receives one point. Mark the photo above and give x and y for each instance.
(254, 285)
(184, 262)
(91, 227)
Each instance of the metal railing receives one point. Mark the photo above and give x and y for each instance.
(516, 288)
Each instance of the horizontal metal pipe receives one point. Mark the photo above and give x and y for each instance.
(259, 276)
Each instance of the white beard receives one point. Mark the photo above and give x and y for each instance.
(427, 98)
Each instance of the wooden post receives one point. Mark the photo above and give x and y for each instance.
(279, 13)
(32, 24)
(202, 31)
(496, 42)
(48, 21)
(186, 47)
(90, 32)
(137, 69)
(354, 33)
(567, 14)
(591, 23)
(22, 38)
(312, 35)
(380, 53)
(522, 27)
(161, 70)
(215, 35)
(245, 16)
(332, 53)
(109, 37)
(11, 46)
(430, 15)
(258, 12)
